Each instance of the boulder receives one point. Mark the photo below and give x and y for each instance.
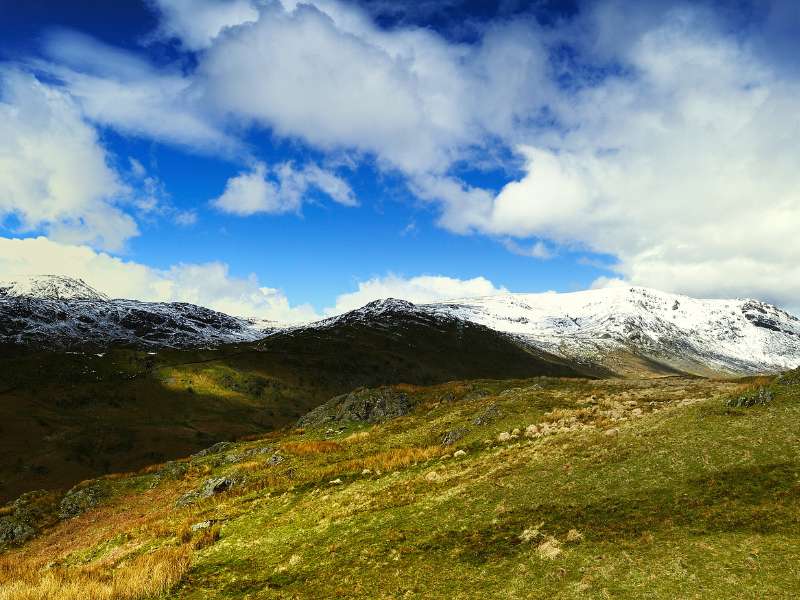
(211, 487)
(80, 499)
(452, 436)
(365, 405)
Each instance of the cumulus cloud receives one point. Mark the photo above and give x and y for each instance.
(196, 23)
(54, 172)
(684, 166)
(536, 250)
(320, 71)
(283, 189)
(648, 131)
(208, 284)
(419, 289)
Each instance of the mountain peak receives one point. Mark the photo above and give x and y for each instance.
(51, 287)
(388, 304)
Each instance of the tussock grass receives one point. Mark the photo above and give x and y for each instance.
(141, 577)
(388, 460)
(305, 448)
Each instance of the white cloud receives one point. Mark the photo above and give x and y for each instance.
(208, 284)
(54, 173)
(660, 138)
(536, 250)
(116, 88)
(253, 192)
(684, 167)
(196, 23)
(185, 218)
(419, 289)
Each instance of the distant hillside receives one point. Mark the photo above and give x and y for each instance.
(632, 330)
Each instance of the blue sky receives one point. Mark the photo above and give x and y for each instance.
(288, 160)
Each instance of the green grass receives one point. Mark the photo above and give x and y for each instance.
(689, 500)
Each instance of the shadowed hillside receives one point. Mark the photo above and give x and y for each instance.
(70, 416)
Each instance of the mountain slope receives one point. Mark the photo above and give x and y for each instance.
(64, 313)
(393, 341)
(97, 412)
(631, 328)
(567, 489)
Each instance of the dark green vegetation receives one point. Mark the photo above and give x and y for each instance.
(537, 488)
(65, 417)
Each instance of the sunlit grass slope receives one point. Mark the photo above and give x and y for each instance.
(550, 489)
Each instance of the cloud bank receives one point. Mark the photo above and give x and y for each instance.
(664, 134)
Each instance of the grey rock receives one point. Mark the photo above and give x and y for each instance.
(760, 397)
(78, 500)
(215, 449)
(275, 459)
(452, 436)
(211, 487)
(488, 415)
(30, 512)
(203, 525)
(15, 530)
(367, 405)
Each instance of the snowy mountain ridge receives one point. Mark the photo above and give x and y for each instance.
(625, 330)
(59, 312)
(50, 287)
(605, 325)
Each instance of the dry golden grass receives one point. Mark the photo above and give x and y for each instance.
(6, 510)
(388, 460)
(146, 511)
(312, 447)
(250, 466)
(356, 438)
(141, 577)
(206, 537)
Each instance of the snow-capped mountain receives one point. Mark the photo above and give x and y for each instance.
(61, 312)
(628, 329)
(624, 330)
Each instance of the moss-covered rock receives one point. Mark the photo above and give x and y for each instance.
(363, 405)
(80, 499)
(26, 516)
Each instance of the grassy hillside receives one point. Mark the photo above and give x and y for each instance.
(68, 416)
(538, 488)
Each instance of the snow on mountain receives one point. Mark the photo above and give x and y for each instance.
(623, 329)
(608, 326)
(50, 287)
(61, 312)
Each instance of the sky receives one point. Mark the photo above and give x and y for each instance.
(290, 160)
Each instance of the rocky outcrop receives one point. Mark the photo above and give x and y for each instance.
(211, 487)
(26, 516)
(80, 499)
(364, 405)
